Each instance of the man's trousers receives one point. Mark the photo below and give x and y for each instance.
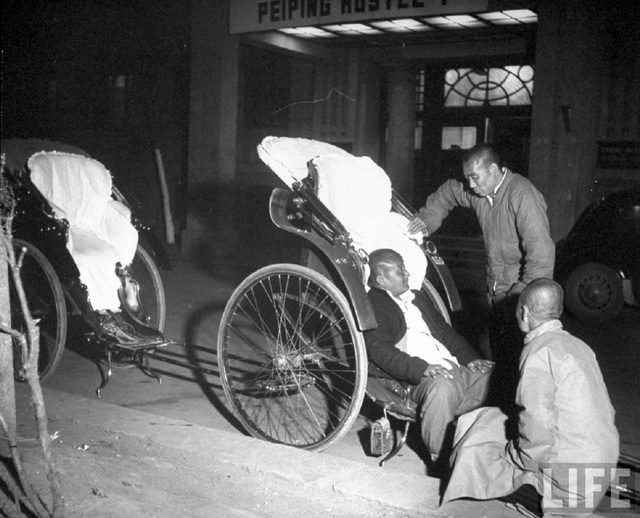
(441, 399)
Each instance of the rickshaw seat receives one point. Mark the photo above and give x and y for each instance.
(100, 232)
(358, 192)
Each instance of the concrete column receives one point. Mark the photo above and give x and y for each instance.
(367, 116)
(301, 110)
(399, 160)
(214, 93)
(567, 97)
(213, 119)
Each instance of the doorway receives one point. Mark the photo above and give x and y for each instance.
(459, 108)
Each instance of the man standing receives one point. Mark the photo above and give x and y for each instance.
(414, 343)
(513, 217)
(567, 444)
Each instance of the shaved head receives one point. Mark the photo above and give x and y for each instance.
(544, 298)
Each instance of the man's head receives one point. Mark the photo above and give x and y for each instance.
(539, 302)
(388, 271)
(482, 168)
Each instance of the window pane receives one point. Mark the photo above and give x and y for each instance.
(458, 137)
(506, 86)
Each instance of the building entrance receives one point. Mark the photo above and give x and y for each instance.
(468, 107)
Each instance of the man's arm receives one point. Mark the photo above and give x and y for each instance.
(537, 420)
(438, 205)
(533, 227)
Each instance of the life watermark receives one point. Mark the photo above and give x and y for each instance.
(588, 488)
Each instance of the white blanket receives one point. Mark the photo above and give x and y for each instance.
(100, 230)
(288, 157)
(356, 190)
(358, 193)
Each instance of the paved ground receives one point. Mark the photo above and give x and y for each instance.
(173, 449)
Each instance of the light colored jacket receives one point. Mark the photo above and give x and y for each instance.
(565, 428)
(514, 225)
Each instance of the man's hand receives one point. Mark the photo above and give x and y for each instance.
(483, 366)
(417, 225)
(435, 370)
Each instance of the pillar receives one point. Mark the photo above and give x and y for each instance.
(568, 94)
(399, 159)
(213, 119)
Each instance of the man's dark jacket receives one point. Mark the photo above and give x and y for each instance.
(386, 360)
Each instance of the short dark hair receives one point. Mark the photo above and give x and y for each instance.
(380, 261)
(485, 152)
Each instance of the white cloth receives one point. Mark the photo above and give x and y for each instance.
(355, 189)
(288, 157)
(358, 192)
(418, 340)
(100, 230)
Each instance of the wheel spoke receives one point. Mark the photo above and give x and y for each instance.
(291, 359)
(150, 289)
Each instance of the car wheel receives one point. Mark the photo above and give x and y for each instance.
(594, 292)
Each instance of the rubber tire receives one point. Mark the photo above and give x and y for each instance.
(259, 348)
(39, 278)
(152, 295)
(593, 291)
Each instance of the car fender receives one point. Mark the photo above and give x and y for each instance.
(592, 255)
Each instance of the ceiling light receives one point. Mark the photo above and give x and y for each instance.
(520, 13)
(461, 18)
(493, 16)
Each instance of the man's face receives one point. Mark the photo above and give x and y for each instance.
(395, 279)
(483, 178)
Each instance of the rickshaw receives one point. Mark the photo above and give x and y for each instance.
(57, 293)
(291, 352)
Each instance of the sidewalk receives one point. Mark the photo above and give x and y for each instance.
(135, 463)
(146, 449)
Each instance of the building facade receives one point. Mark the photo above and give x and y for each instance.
(410, 83)
(557, 91)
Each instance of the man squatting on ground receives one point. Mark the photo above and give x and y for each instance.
(513, 216)
(566, 420)
(413, 343)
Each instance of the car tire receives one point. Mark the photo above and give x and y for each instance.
(593, 291)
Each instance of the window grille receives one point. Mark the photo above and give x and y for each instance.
(473, 87)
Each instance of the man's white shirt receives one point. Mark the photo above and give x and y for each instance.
(418, 340)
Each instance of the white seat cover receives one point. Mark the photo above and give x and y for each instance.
(358, 192)
(288, 157)
(100, 230)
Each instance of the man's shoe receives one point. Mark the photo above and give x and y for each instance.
(438, 467)
(525, 500)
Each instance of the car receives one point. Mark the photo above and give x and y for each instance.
(598, 262)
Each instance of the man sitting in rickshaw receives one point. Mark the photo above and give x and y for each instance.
(413, 343)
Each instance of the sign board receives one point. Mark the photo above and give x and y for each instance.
(267, 15)
(619, 154)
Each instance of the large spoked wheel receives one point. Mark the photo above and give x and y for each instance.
(292, 361)
(593, 291)
(45, 299)
(150, 308)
